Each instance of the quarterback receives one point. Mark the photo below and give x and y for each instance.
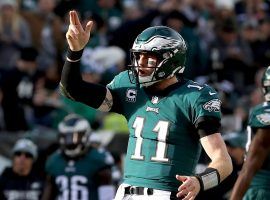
(169, 117)
(254, 179)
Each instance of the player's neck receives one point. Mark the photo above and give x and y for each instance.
(162, 85)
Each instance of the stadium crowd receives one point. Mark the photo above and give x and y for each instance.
(228, 48)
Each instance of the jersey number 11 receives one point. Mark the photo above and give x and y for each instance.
(162, 130)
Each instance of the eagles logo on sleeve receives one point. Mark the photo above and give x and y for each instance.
(212, 105)
(264, 118)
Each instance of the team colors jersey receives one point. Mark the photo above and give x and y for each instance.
(75, 179)
(163, 140)
(260, 118)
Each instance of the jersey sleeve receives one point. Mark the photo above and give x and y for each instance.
(117, 87)
(114, 84)
(260, 117)
(207, 104)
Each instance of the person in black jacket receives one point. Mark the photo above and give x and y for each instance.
(20, 182)
(17, 88)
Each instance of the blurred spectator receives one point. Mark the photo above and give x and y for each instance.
(101, 64)
(203, 12)
(131, 10)
(231, 56)
(27, 4)
(196, 57)
(111, 59)
(249, 31)
(133, 27)
(21, 180)
(99, 35)
(46, 99)
(14, 33)
(17, 89)
(261, 47)
(63, 6)
(250, 34)
(109, 10)
(81, 170)
(253, 8)
(47, 34)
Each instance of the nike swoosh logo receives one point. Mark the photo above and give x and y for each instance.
(212, 93)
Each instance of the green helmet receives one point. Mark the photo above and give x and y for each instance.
(167, 45)
(266, 84)
(74, 132)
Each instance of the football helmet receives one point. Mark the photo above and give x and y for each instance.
(266, 84)
(74, 134)
(167, 45)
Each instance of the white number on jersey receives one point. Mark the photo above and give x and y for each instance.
(162, 130)
(75, 188)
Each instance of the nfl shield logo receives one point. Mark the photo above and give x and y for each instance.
(154, 100)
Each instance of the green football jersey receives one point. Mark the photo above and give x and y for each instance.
(163, 140)
(260, 118)
(74, 179)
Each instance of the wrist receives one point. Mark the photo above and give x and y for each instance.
(74, 56)
(208, 179)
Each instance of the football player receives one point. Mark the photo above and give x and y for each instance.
(169, 117)
(78, 171)
(254, 179)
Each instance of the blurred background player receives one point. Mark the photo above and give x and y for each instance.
(254, 179)
(76, 170)
(21, 181)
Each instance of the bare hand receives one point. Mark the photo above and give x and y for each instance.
(190, 187)
(77, 37)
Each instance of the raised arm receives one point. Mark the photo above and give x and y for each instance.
(71, 85)
(258, 151)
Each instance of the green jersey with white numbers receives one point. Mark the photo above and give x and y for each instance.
(75, 179)
(163, 139)
(260, 118)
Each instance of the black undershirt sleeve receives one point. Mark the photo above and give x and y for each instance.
(73, 87)
(207, 125)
